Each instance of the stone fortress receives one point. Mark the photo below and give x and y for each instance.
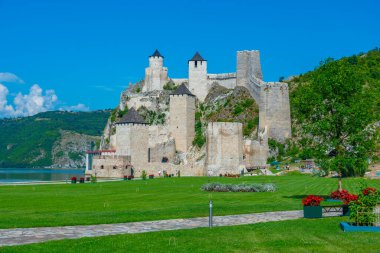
(131, 145)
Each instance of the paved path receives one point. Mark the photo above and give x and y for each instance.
(18, 236)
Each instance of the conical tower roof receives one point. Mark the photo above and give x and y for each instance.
(182, 90)
(132, 117)
(156, 54)
(197, 57)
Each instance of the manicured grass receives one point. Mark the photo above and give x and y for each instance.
(125, 201)
(302, 235)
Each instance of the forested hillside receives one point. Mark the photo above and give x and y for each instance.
(50, 138)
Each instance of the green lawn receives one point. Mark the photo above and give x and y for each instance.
(125, 201)
(318, 235)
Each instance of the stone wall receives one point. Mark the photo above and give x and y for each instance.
(182, 120)
(272, 97)
(224, 148)
(106, 166)
(198, 84)
(227, 80)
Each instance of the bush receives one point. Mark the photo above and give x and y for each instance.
(362, 209)
(312, 200)
(218, 187)
(143, 175)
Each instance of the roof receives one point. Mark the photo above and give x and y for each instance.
(182, 90)
(156, 54)
(132, 117)
(197, 57)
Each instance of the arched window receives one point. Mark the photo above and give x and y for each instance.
(164, 159)
(101, 167)
(114, 167)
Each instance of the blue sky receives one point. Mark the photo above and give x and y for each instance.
(84, 52)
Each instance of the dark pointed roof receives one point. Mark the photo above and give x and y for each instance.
(182, 90)
(197, 57)
(132, 117)
(156, 54)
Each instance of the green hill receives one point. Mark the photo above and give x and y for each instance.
(51, 138)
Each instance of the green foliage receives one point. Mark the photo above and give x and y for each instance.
(362, 210)
(75, 156)
(93, 179)
(138, 90)
(336, 106)
(143, 175)
(121, 113)
(238, 109)
(24, 139)
(170, 86)
(199, 139)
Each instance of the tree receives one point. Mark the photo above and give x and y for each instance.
(336, 108)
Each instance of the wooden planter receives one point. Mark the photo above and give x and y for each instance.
(346, 210)
(73, 181)
(312, 212)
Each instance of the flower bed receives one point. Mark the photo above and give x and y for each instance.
(73, 180)
(151, 176)
(218, 187)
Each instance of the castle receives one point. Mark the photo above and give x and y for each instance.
(133, 145)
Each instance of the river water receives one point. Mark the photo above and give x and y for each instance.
(15, 175)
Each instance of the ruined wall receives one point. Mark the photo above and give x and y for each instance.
(224, 148)
(161, 144)
(156, 75)
(198, 79)
(110, 166)
(182, 120)
(275, 110)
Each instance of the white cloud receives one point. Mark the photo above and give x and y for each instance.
(75, 108)
(10, 78)
(34, 102)
(5, 109)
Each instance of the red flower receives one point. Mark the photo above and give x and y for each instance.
(312, 200)
(348, 198)
(338, 194)
(369, 191)
(74, 178)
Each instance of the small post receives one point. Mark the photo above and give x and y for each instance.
(210, 215)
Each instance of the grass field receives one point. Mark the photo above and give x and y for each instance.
(125, 201)
(318, 235)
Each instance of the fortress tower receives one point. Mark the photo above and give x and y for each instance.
(198, 76)
(132, 137)
(156, 75)
(182, 118)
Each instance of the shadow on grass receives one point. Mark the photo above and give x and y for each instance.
(304, 196)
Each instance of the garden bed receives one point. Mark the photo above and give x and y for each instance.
(349, 227)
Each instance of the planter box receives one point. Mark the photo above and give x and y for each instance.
(347, 227)
(73, 181)
(125, 178)
(312, 212)
(151, 176)
(346, 210)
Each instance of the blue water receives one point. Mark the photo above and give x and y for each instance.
(13, 175)
(378, 173)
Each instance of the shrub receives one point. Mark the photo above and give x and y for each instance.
(362, 209)
(93, 179)
(143, 175)
(312, 200)
(338, 194)
(218, 187)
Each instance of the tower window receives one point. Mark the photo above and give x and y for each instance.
(164, 159)
(101, 167)
(196, 63)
